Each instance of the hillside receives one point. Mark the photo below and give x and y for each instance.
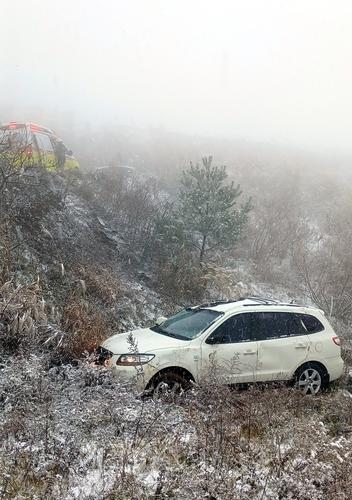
(75, 269)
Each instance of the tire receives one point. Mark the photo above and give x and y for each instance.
(311, 378)
(169, 384)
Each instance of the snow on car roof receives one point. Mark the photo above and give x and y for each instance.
(228, 306)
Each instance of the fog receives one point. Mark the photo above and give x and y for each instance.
(269, 71)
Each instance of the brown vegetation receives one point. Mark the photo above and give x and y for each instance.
(86, 328)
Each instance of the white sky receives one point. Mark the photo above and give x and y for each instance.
(267, 70)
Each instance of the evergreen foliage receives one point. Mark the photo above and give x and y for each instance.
(209, 209)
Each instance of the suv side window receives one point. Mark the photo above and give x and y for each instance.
(236, 329)
(311, 323)
(273, 325)
(44, 142)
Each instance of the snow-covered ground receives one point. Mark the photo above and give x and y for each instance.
(76, 433)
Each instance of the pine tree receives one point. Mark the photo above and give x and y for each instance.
(208, 207)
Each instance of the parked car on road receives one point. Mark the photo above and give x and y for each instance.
(28, 144)
(238, 342)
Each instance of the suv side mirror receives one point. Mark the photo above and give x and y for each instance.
(219, 336)
(214, 338)
(160, 320)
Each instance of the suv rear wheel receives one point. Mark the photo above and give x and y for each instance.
(311, 378)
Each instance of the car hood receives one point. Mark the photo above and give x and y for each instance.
(146, 340)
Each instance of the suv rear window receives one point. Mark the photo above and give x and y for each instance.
(272, 325)
(311, 323)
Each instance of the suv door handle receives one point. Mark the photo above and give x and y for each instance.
(300, 345)
(250, 352)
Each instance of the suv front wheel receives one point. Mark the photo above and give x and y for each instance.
(169, 382)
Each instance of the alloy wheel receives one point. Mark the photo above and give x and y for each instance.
(309, 381)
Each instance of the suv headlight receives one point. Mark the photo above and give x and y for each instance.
(134, 359)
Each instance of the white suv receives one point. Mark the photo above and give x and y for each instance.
(244, 341)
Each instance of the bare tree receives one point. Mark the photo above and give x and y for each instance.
(325, 265)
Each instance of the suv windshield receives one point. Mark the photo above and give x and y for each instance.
(187, 324)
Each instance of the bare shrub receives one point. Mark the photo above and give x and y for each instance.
(131, 205)
(9, 248)
(277, 222)
(22, 313)
(326, 269)
(99, 284)
(181, 279)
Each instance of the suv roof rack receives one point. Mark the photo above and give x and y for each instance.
(261, 301)
(212, 304)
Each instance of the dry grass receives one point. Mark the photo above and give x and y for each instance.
(22, 313)
(86, 328)
(101, 285)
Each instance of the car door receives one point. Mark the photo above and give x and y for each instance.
(228, 354)
(46, 151)
(283, 344)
